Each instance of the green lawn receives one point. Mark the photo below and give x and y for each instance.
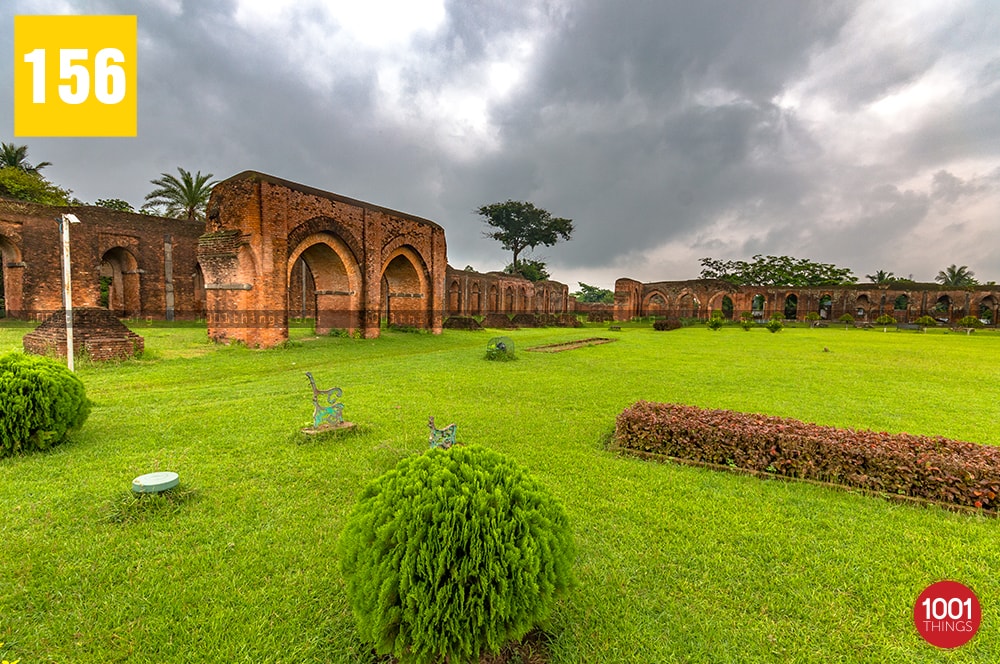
(675, 564)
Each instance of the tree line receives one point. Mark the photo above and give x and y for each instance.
(176, 197)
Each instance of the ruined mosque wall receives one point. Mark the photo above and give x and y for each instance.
(698, 298)
(148, 263)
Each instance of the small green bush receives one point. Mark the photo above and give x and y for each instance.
(970, 321)
(666, 324)
(715, 321)
(847, 319)
(746, 325)
(774, 325)
(453, 553)
(500, 349)
(41, 401)
(926, 321)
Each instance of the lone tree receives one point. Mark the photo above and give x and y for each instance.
(182, 198)
(16, 156)
(530, 269)
(519, 226)
(21, 180)
(588, 293)
(956, 276)
(881, 277)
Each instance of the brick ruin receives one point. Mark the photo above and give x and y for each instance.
(134, 265)
(269, 241)
(97, 333)
(273, 250)
(865, 302)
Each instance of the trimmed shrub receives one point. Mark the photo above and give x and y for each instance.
(970, 321)
(926, 321)
(715, 321)
(946, 471)
(666, 324)
(453, 553)
(774, 325)
(41, 401)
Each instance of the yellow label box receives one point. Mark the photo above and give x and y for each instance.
(75, 76)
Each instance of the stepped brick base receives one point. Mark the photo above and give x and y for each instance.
(96, 332)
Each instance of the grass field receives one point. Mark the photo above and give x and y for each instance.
(675, 564)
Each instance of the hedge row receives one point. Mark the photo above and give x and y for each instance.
(938, 469)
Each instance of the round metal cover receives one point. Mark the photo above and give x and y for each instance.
(155, 482)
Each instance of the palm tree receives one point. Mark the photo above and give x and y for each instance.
(184, 197)
(16, 156)
(956, 277)
(881, 277)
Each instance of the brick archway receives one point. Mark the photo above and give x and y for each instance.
(120, 275)
(361, 259)
(405, 289)
(335, 278)
(11, 276)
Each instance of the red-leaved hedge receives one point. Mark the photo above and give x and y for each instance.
(937, 469)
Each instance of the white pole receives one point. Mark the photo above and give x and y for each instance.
(67, 291)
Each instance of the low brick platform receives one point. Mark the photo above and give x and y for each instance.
(96, 332)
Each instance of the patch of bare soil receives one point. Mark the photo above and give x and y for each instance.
(571, 345)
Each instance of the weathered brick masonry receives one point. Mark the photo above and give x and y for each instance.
(96, 332)
(865, 302)
(273, 249)
(149, 263)
(362, 264)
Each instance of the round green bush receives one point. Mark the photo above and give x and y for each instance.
(40, 402)
(453, 553)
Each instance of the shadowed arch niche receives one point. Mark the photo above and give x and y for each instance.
(119, 282)
(405, 289)
(11, 273)
(324, 280)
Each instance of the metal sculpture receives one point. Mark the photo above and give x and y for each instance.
(443, 438)
(500, 348)
(332, 413)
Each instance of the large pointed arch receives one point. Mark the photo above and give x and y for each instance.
(406, 295)
(119, 282)
(332, 273)
(655, 304)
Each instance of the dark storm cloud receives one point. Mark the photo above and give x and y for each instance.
(613, 128)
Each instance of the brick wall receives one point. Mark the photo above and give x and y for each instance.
(132, 246)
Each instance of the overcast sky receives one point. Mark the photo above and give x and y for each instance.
(864, 134)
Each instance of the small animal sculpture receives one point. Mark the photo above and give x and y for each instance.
(443, 438)
(332, 412)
